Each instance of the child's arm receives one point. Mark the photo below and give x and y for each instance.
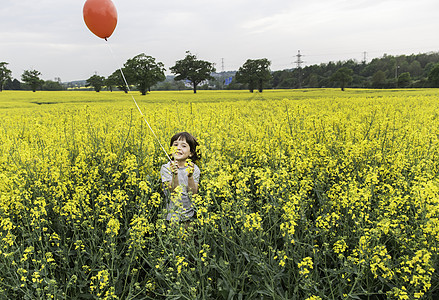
(174, 181)
(169, 176)
(192, 186)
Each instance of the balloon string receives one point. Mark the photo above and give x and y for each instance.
(135, 102)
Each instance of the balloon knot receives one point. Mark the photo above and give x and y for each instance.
(106, 39)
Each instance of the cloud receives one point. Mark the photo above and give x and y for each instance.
(41, 34)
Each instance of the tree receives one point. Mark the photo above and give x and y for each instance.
(379, 79)
(110, 82)
(12, 84)
(50, 85)
(254, 72)
(415, 68)
(96, 81)
(234, 85)
(144, 72)
(32, 78)
(283, 79)
(433, 76)
(342, 76)
(404, 79)
(116, 79)
(313, 80)
(5, 74)
(192, 69)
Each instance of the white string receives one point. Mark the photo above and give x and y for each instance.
(135, 102)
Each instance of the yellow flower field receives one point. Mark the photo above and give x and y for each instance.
(304, 194)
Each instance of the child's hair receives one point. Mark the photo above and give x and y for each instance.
(191, 140)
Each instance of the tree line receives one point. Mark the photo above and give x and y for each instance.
(403, 71)
(144, 73)
(30, 80)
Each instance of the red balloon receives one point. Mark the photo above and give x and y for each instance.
(100, 16)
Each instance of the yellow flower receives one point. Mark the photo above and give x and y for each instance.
(305, 265)
(113, 227)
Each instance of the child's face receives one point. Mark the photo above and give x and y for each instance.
(182, 149)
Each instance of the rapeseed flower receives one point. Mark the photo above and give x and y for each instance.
(345, 185)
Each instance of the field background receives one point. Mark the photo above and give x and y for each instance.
(304, 194)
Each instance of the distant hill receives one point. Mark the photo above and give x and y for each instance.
(75, 84)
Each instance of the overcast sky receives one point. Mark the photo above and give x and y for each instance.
(50, 35)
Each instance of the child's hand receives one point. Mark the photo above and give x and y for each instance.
(174, 168)
(190, 168)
